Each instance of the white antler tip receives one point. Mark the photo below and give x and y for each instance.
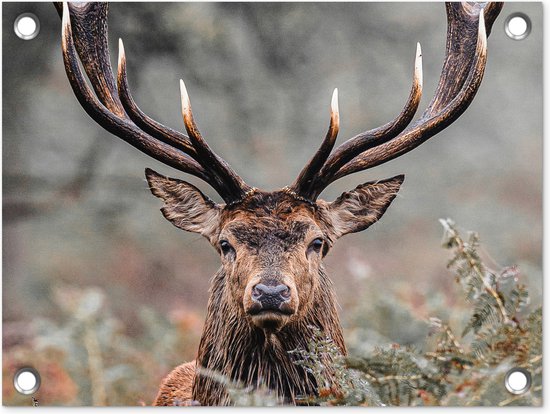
(185, 103)
(121, 53)
(482, 30)
(65, 17)
(418, 64)
(334, 101)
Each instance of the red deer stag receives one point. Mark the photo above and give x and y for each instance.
(271, 289)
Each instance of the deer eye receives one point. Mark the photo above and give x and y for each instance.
(226, 247)
(316, 245)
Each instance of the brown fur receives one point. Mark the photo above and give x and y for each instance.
(232, 346)
(271, 236)
(177, 387)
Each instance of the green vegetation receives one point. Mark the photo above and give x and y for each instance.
(469, 369)
(89, 359)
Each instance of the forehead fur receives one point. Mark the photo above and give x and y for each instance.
(275, 216)
(270, 232)
(277, 205)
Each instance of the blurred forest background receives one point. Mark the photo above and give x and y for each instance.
(104, 296)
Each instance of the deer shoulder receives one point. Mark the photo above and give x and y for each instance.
(177, 387)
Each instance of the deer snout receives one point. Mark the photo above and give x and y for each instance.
(270, 298)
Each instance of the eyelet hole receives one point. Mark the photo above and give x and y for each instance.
(26, 381)
(26, 26)
(517, 26)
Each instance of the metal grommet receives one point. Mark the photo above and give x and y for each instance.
(517, 381)
(26, 381)
(26, 26)
(517, 26)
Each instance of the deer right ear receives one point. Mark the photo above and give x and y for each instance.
(184, 204)
(358, 209)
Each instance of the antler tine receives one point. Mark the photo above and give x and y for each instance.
(308, 173)
(117, 125)
(116, 111)
(227, 180)
(368, 139)
(465, 59)
(89, 23)
(219, 167)
(463, 31)
(146, 123)
(449, 107)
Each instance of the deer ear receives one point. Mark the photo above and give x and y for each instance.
(356, 210)
(184, 205)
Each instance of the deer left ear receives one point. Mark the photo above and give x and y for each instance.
(184, 205)
(356, 210)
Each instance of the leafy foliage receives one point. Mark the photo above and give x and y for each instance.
(337, 385)
(241, 395)
(500, 334)
(89, 359)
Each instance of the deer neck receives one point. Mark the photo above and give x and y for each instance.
(231, 347)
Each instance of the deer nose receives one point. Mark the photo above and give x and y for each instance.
(271, 297)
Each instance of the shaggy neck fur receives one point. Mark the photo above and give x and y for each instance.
(232, 347)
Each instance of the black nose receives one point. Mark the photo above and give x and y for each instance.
(271, 297)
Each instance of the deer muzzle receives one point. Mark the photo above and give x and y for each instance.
(267, 298)
(270, 303)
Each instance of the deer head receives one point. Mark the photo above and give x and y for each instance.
(271, 244)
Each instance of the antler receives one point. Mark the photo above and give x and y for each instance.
(115, 110)
(468, 26)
